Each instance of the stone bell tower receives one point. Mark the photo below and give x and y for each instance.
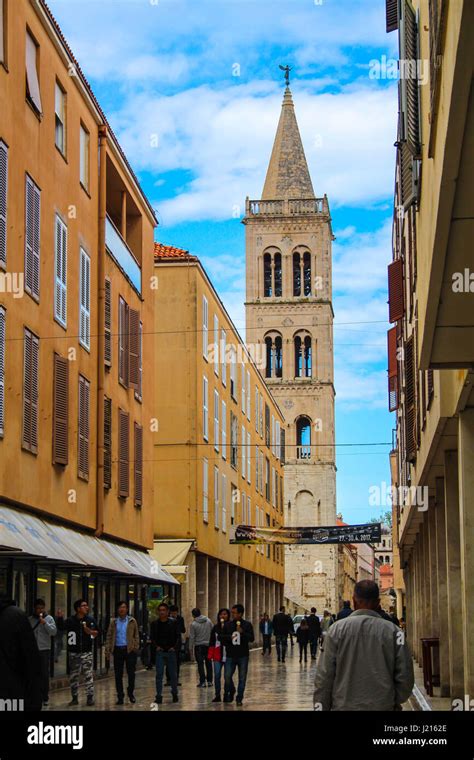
(289, 310)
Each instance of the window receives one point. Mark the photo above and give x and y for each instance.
(123, 343)
(83, 410)
(205, 487)
(277, 442)
(107, 442)
(282, 446)
(281, 494)
(2, 368)
(267, 275)
(267, 425)
(298, 357)
(248, 395)
(243, 508)
(257, 461)
(32, 79)
(234, 497)
(138, 465)
(267, 519)
(307, 273)
(261, 415)
(223, 358)
(60, 410)
(278, 275)
(296, 275)
(256, 409)
(216, 345)
(273, 434)
(303, 438)
(307, 357)
(108, 322)
(32, 238)
(243, 451)
(249, 511)
(84, 151)
(216, 497)
(233, 366)
(249, 457)
(3, 198)
(233, 440)
(224, 429)
(224, 502)
(267, 479)
(269, 357)
(273, 486)
(134, 349)
(243, 396)
(60, 118)
(216, 421)
(84, 300)
(3, 32)
(205, 408)
(205, 326)
(60, 274)
(124, 454)
(138, 391)
(30, 392)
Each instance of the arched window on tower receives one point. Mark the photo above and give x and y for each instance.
(298, 357)
(274, 355)
(278, 357)
(307, 273)
(267, 275)
(307, 357)
(296, 274)
(277, 275)
(303, 438)
(269, 357)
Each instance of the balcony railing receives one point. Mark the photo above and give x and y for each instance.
(122, 254)
(303, 452)
(294, 206)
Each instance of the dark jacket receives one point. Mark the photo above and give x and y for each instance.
(314, 625)
(302, 635)
(262, 627)
(217, 633)
(164, 634)
(179, 620)
(81, 642)
(281, 624)
(236, 647)
(345, 612)
(20, 664)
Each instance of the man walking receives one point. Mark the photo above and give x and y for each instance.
(345, 611)
(20, 665)
(44, 628)
(237, 637)
(366, 664)
(123, 643)
(179, 620)
(81, 631)
(314, 625)
(266, 629)
(281, 629)
(199, 638)
(164, 637)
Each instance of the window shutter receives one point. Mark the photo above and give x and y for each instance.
(134, 348)
(107, 442)
(391, 15)
(2, 369)
(60, 410)
(138, 468)
(32, 82)
(282, 446)
(3, 201)
(32, 238)
(392, 370)
(124, 455)
(83, 428)
(138, 392)
(60, 284)
(267, 425)
(123, 343)
(430, 385)
(395, 290)
(108, 323)
(84, 303)
(410, 401)
(409, 105)
(30, 391)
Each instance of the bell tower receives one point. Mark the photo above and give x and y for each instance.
(289, 311)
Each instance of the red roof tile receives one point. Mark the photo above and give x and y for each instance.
(163, 251)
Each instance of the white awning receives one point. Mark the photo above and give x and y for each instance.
(34, 537)
(172, 556)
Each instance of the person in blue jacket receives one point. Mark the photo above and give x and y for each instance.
(266, 629)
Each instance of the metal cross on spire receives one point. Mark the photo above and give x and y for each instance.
(287, 70)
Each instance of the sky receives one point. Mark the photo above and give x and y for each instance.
(193, 91)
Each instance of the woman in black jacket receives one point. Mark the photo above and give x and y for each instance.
(217, 651)
(302, 637)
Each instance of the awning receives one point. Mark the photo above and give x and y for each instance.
(34, 537)
(172, 556)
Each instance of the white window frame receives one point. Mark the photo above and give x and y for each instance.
(249, 458)
(223, 357)
(216, 345)
(205, 327)
(216, 497)
(60, 271)
(60, 117)
(224, 429)
(243, 451)
(216, 420)
(205, 490)
(205, 408)
(3, 330)
(33, 239)
(3, 202)
(224, 502)
(84, 299)
(84, 157)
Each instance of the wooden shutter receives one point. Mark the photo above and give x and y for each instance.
(60, 277)
(134, 349)
(85, 296)
(395, 290)
(3, 201)
(391, 15)
(60, 410)
(83, 428)
(409, 105)
(410, 401)
(392, 370)
(108, 323)
(32, 238)
(2, 369)
(123, 343)
(282, 446)
(30, 392)
(138, 465)
(430, 385)
(267, 425)
(107, 442)
(124, 455)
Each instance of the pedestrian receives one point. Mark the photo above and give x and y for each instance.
(238, 634)
(291, 630)
(345, 611)
(44, 628)
(314, 626)
(199, 638)
(81, 632)
(20, 663)
(326, 623)
(123, 642)
(281, 629)
(366, 664)
(165, 638)
(302, 637)
(217, 653)
(266, 629)
(174, 615)
(59, 638)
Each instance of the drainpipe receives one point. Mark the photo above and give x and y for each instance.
(101, 330)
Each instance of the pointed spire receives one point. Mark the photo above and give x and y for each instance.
(288, 173)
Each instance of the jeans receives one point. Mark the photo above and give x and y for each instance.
(303, 645)
(267, 643)
(281, 645)
(45, 655)
(166, 659)
(313, 645)
(121, 658)
(218, 668)
(204, 665)
(242, 663)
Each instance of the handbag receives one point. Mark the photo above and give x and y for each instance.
(214, 654)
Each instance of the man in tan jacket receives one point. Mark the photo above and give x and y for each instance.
(123, 643)
(366, 663)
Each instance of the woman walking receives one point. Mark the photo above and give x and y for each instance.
(302, 637)
(123, 642)
(217, 651)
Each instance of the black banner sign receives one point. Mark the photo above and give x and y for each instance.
(332, 534)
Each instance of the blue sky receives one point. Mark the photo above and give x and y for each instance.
(193, 91)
